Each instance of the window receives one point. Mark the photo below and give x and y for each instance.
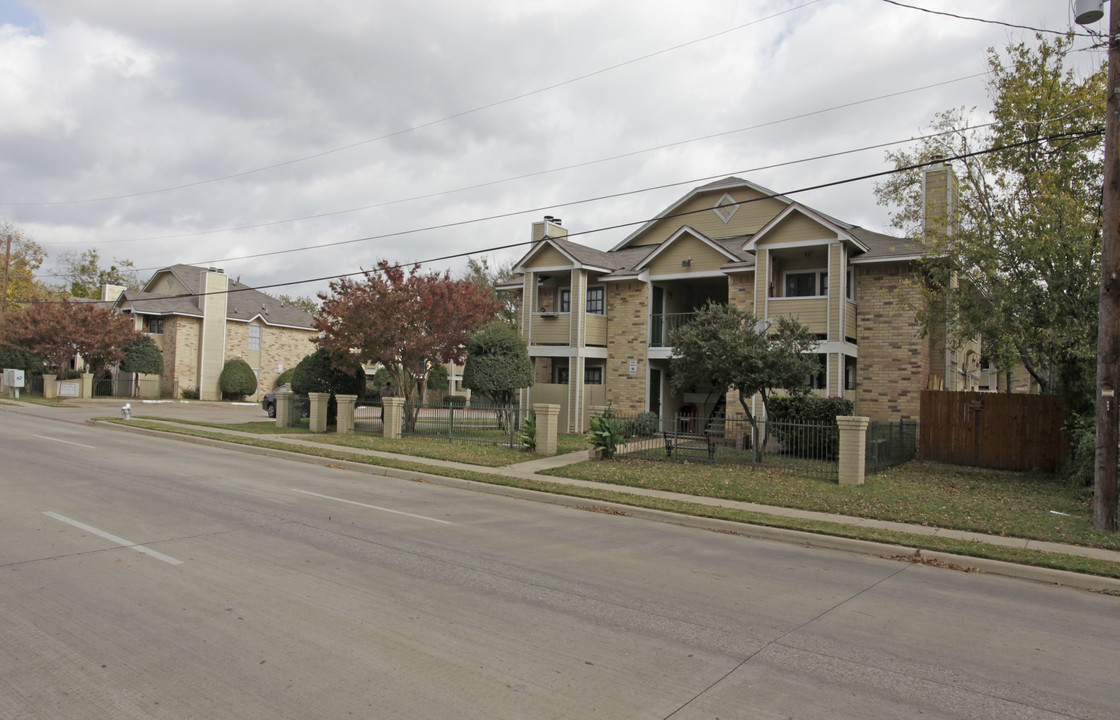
(561, 376)
(593, 375)
(806, 284)
(566, 300)
(596, 301)
(850, 284)
(153, 324)
(254, 337)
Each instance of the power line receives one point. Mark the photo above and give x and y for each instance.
(538, 173)
(987, 21)
(1075, 135)
(414, 128)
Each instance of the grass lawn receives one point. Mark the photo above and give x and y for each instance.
(1019, 504)
(474, 453)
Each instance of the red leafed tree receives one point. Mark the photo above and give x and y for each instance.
(56, 332)
(404, 320)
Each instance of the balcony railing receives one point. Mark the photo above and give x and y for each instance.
(663, 325)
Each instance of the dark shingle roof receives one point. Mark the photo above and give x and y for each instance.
(243, 302)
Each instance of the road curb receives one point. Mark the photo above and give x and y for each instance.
(759, 532)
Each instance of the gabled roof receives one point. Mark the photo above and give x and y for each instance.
(727, 183)
(842, 230)
(683, 231)
(243, 303)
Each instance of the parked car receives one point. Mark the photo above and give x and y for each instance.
(269, 402)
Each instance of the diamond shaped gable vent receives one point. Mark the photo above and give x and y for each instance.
(726, 208)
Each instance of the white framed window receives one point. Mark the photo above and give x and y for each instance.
(254, 337)
(850, 284)
(813, 283)
(153, 325)
(596, 301)
(566, 300)
(593, 375)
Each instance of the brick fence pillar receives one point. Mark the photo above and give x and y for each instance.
(853, 448)
(548, 423)
(394, 417)
(319, 411)
(345, 413)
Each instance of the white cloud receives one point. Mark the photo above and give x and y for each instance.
(123, 98)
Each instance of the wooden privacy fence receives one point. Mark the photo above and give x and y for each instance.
(992, 430)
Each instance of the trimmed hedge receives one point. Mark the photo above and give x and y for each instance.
(808, 410)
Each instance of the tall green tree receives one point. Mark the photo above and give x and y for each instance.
(1020, 266)
(56, 332)
(728, 349)
(84, 275)
(20, 258)
(488, 274)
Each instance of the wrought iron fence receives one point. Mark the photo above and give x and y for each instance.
(369, 416)
(805, 447)
(890, 444)
(479, 423)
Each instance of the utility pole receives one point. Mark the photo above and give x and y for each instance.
(1108, 333)
(7, 265)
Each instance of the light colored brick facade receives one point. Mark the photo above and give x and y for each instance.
(858, 290)
(193, 359)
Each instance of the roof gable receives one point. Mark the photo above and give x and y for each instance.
(799, 225)
(686, 251)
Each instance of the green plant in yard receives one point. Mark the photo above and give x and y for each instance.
(237, 379)
(606, 434)
(528, 434)
(189, 394)
(808, 410)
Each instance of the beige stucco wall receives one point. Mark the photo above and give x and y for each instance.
(704, 258)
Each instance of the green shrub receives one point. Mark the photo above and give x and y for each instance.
(19, 360)
(645, 425)
(606, 434)
(189, 394)
(528, 434)
(808, 410)
(455, 401)
(1081, 466)
(322, 371)
(284, 378)
(237, 379)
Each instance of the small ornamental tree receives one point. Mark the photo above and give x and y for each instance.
(407, 321)
(57, 332)
(142, 357)
(237, 379)
(729, 349)
(497, 366)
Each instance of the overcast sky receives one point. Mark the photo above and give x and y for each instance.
(347, 131)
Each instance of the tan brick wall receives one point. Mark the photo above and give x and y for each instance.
(542, 367)
(180, 353)
(893, 359)
(740, 291)
(627, 335)
(280, 347)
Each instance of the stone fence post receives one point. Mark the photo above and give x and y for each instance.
(394, 417)
(345, 413)
(87, 385)
(319, 411)
(285, 409)
(548, 417)
(853, 449)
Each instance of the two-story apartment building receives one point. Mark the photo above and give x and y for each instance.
(599, 323)
(200, 319)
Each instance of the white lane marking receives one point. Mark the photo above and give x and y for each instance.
(44, 437)
(373, 507)
(101, 533)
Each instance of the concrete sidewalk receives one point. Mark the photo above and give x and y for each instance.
(530, 470)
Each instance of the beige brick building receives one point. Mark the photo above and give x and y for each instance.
(200, 319)
(598, 323)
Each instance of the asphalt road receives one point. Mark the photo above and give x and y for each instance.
(149, 578)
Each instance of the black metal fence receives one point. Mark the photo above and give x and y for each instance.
(479, 423)
(804, 447)
(890, 444)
